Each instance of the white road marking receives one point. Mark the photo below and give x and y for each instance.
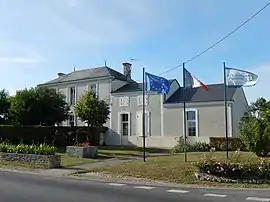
(144, 187)
(116, 184)
(177, 191)
(215, 195)
(257, 199)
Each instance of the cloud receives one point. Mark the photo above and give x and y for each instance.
(71, 3)
(99, 22)
(54, 27)
(20, 60)
(261, 89)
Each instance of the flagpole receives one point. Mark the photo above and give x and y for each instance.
(143, 114)
(185, 118)
(225, 110)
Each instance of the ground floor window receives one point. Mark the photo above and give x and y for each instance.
(192, 122)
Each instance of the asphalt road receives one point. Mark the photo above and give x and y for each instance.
(16, 187)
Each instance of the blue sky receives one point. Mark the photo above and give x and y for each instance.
(40, 38)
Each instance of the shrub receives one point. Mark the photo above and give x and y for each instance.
(41, 149)
(199, 147)
(219, 143)
(255, 127)
(234, 168)
(196, 147)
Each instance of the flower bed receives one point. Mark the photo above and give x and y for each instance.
(41, 155)
(234, 170)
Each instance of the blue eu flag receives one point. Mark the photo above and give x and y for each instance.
(157, 84)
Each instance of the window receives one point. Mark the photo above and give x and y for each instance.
(71, 120)
(93, 88)
(140, 100)
(72, 96)
(124, 101)
(192, 125)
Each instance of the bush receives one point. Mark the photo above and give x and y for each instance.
(42, 149)
(196, 147)
(199, 147)
(219, 143)
(255, 127)
(234, 168)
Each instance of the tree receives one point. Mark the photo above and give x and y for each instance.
(91, 110)
(255, 127)
(38, 106)
(4, 106)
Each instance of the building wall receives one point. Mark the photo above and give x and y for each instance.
(210, 122)
(154, 108)
(103, 91)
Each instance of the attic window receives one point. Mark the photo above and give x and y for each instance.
(140, 100)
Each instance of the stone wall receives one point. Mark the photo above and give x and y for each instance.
(51, 161)
(82, 152)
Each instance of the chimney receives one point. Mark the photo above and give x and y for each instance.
(61, 74)
(127, 70)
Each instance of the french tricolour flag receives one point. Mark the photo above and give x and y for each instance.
(193, 82)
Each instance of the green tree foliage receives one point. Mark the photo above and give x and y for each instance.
(91, 110)
(255, 127)
(38, 106)
(4, 106)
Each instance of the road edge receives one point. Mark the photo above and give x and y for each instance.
(127, 180)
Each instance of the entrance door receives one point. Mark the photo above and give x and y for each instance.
(124, 127)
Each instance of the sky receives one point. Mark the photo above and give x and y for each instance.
(38, 39)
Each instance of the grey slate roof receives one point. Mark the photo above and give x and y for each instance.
(215, 93)
(98, 72)
(130, 87)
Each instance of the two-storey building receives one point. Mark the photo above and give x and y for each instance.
(164, 113)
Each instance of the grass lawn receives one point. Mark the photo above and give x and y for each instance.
(170, 169)
(118, 151)
(73, 161)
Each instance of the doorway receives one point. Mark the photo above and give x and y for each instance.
(124, 129)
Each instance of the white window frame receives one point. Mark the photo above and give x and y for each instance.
(121, 103)
(120, 122)
(148, 120)
(196, 120)
(69, 95)
(89, 88)
(140, 98)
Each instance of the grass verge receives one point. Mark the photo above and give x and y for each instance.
(170, 169)
(20, 166)
(67, 161)
(118, 151)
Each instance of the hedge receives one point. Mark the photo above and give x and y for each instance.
(57, 136)
(219, 143)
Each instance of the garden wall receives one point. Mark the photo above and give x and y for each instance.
(51, 161)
